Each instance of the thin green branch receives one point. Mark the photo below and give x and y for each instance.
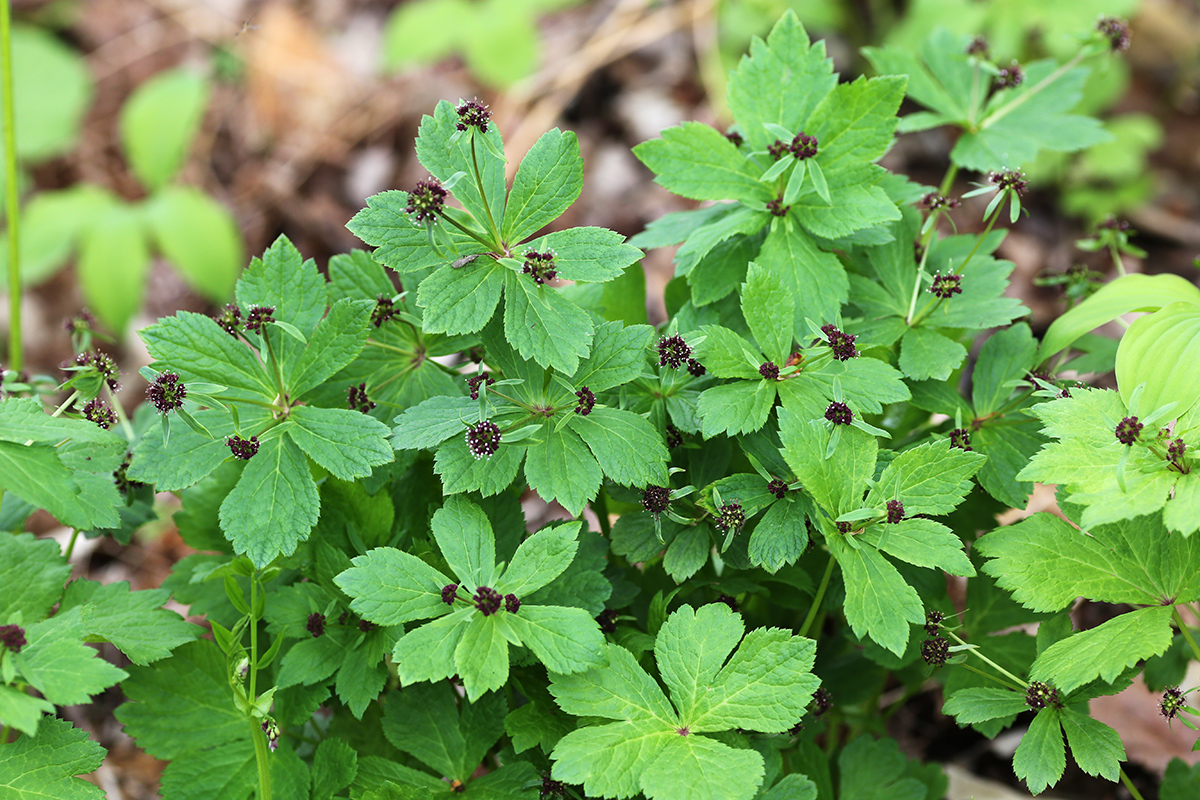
(15, 355)
(819, 597)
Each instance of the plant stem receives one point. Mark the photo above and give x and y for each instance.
(820, 596)
(468, 231)
(274, 366)
(1187, 633)
(483, 197)
(253, 637)
(71, 544)
(1116, 257)
(990, 677)
(261, 756)
(989, 662)
(65, 404)
(600, 506)
(931, 307)
(15, 356)
(1129, 785)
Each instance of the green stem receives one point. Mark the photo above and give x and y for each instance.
(261, 758)
(71, 544)
(600, 506)
(948, 181)
(1187, 633)
(483, 197)
(121, 418)
(975, 652)
(274, 367)
(820, 596)
(1129, 785)
(916, 292)
(5, 732)
(65, 404)
(253, 637)
(1116, 257)
(990, 677)
(468, 231)
(10, 187)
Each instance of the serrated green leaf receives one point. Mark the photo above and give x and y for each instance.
(618, 356)
(391, 587)
(45, 765)
(547, 183)
(543, 325)
(922, 542)
(815, 278)
(879, 603)
(687, 552)
(588, 254)
(427, 653)
(1096, 748)
(561, 468)
(36, 565)
(932, 478)
(925, 354)
(628, 448)
(780, 536)
(770, 312)
(274, 505)
(311, 660)
(135, 622)
(873, 769)
(620, 691)
(59, 665)
(464, 535)
(699, 768)
(198, 349)
(347, 443)
(835, 483)
(723, 353)
(690, 649)
(427, 425)
(983, 703)
(1041, 756)
(481, 657)
(540, 559)
(188, 456)
(1007, 356)
(608, 759)
(399, 242)
(21, 710)
(733, 408)
(158, 123)
(461, 300)
(337, 341)
(334, 766)
(293, 286)
(439, 153)
(1106, 650)
(462, 472)
(696, 161)
(566, 640)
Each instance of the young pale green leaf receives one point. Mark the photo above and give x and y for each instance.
(1106, 650)
(770, 312)
(588, 254)
(481, 657)
(427, 653)
(879, 604)
(690, 649)
(135, 622)
(1041, 756)
(337, 340)
(548, 181)
(561, 468)
(464, 535)
(980, 704)
(35, 767)
(22, 711)
(733, 408)
(696, 161)
(930, 479)
(566, 640)
(620, 691)
(38, 567)
(200, 237)
(940, 77)
(274, 505)
(835, 483)
(158, 123)
(618, 356)
(460, 471)
(609, 760)
(699, 768)
(1096, 748)
(540, 559)
(390, 587)
(463, 299)
(198, 349)
(927, 354)
(1169, 336)
(723, 353)
(347, 443)
(543, 325)
(283, 280)
(427, 425)
(922, 542)
(628, 448)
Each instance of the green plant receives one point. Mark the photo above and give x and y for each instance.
(782, 474)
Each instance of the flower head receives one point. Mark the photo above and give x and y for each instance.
(1127, 430)
(473, 114)
(1175, 451)
(271, 729)
(674, 437)
(730, 517)
(551, 788)
(933, 621)
(83, 322)
(769, 370)
(934, 201)
(12, 637)
(778, 488)
(978, 47)
(242, 449)
(383, 311)
(358, 400)
(607, 620)
(316, 624)
(822, 701)
(483, 439)
(540, 265)
(230, 318)
(695, 368)
(449, 593)
(895, 511)
(1116, 31)
(1009, 179)
(426, 200)
(803, 146)
(735, 137)
(777, 208)
(366, 626)
(840, 342)
(729, 601)
(778, 149)
(487, 600)
(97, 411)
(839, 413)
(656, 499)
(1171, 703)
(587, 401)
(935, 651)
(121, 476)
(258, 316)
(1042, 695)
(1010, 76)
(475, 381)
(673, 351)
(946, 286)
(167, 392)
(103, 365)
(511, 603)
(960, 438)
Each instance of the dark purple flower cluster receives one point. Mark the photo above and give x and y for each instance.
(83, 322)
(839, 413)
(935, 651)
(487, 600)
(960, 438)
(842, 527)
(778, 149)
(933, 201)
(608, 620)
(1111, 223)
(121, 476)
(167, 393)
(230, 318)
(674, 437)
(1171, 703)
(316, 624)
(426, 200)
(1128, 430)
(1175, 450)
(551, 788)
(540, 265)
(1010, 76)
(695, 368)
(822, 701)
(673, 351)
(258, 316)
(1010, 179)
(978, 47)
(840, 342)
(731, 517)
(475, 381)
(358, 399)
(483, 439)
(803, 146)
(1042, 695)
(729, 601)
(735, 137)
(449, 593)
(242, 449)
(587, 401)
(777, 208)
(97, 411)
(946, 286)
(769, 370)
(12, 637)
(656, 499)
(365, 626)
(933, 622)
(895, 511)
(103, 364)
(778, 488)
(383, 311)
(511, 604)
(271, 729)
(1116, 31)
(473, 114)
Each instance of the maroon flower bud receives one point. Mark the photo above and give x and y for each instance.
(803, 146)
(551, 788)
(449, 593)
(1175, 451)
(345, 615)
(978, 47)
(474, 382)
(695, 368)
(357, 399)
(822, 701)
(1010, 76)
(778, 488)
(1116, 31)
(1171, 703)
(1042, 695)
(383, 311)
(935, 651)
(540, 265)
(97, 411)
(121, 476)
(167, 392)
(83, 322)
(12, 637)
(960, 438)
(1127, 430)
(933, 201)
(487, 600)
(316, 624)
(426, 200)
(366, 627)
(103, 365)
(895, 511)
(778, 149)
(840, 342)
(587, 401)
(769, 370)
(735, 137)
(242, 449)
(777, 208)
(272, 732)
(729, 601)
(483, 439)
(656, 499)
(258, 316)
(673, 351)
(839, 413)
(473, 114)
(843, 527)
(1009, 179)
(731, 517)
(933, 621)
(511, 604)
(230, 318)
(674, 437)
(946, 286)
(607, 620)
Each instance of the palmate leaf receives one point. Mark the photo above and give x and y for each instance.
(35, 767)
(1106, 650)
(135, 622)
(879, 603)
(36, 565)
(548, 181)
(659, 749)
(696, 161)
